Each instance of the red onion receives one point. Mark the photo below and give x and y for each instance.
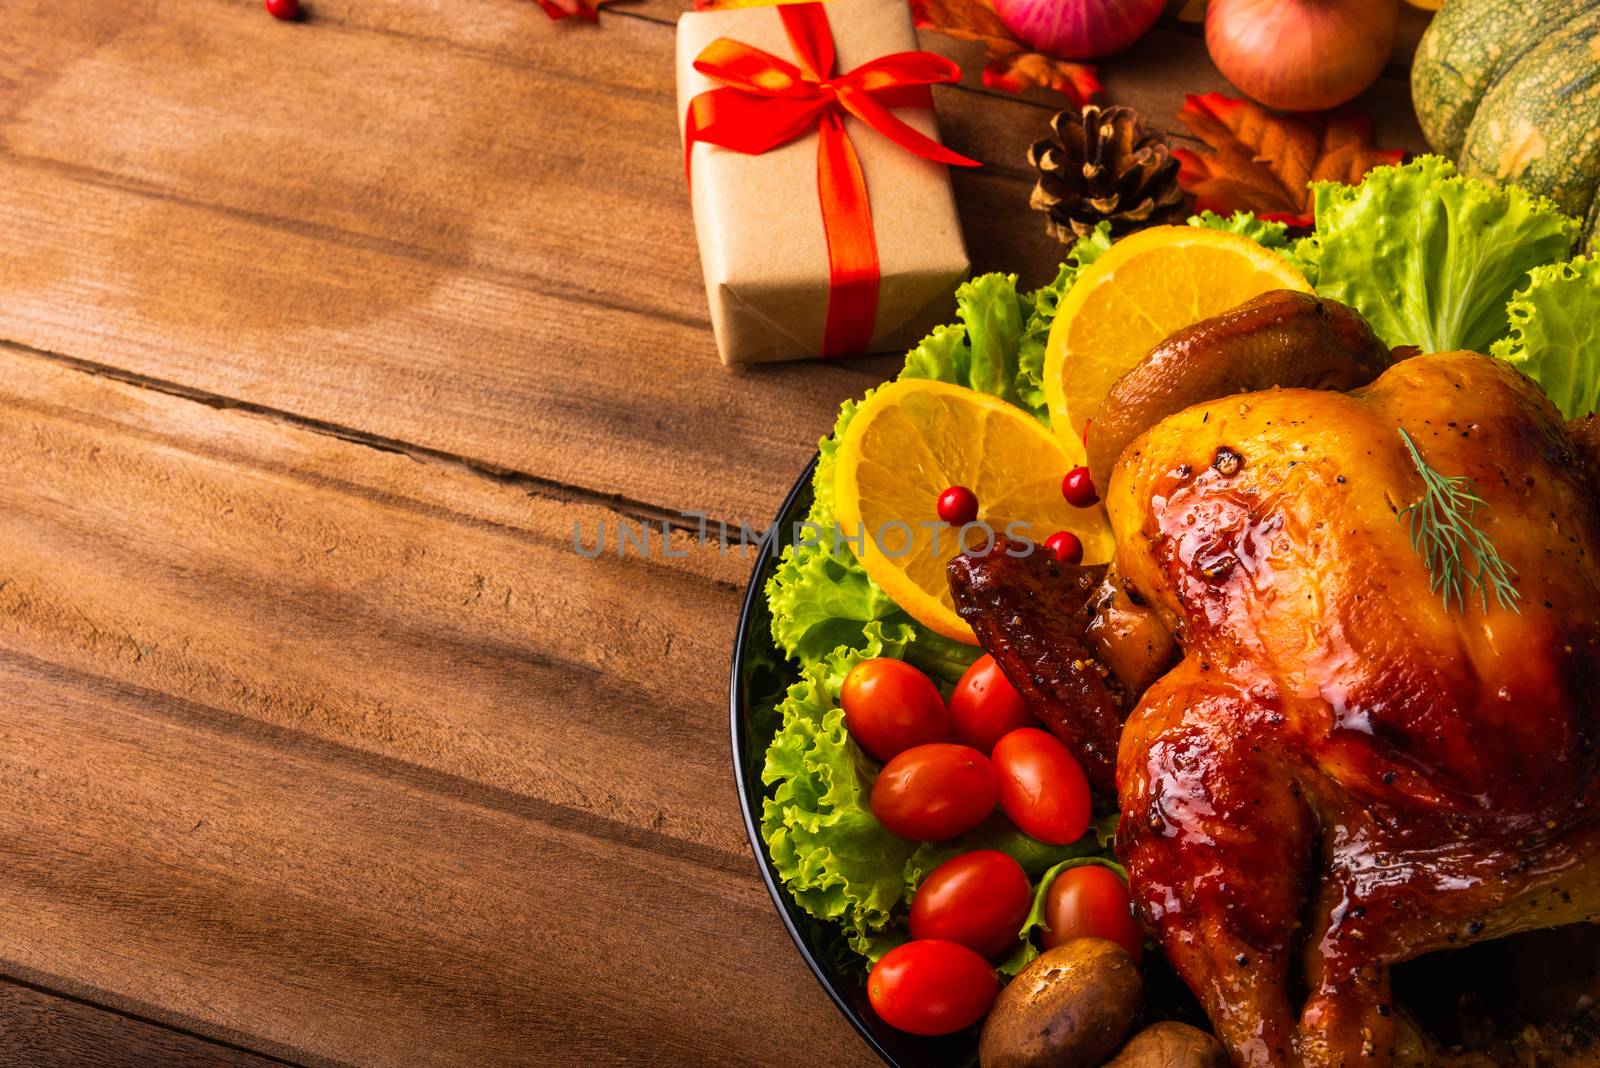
(1078, 29)
(1301, 55)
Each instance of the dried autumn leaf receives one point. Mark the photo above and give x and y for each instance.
(970, 20)
(1011, 66)
(1018, 70)
(1265, 163)
(584, 9)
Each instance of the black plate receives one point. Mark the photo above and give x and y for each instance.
(760, 673)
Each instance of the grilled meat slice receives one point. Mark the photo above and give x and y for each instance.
(1032, 613)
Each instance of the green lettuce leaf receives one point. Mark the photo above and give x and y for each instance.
(1273, 235)
(1042, 304)
(1086, 250)
(1261, 231)
(1035, 921)
(943, 356)
(993, 315)
(822, 600)
(820, 603)
(1000, 833)
(1555, 333)
(836, 859)
(1430, 258)
(1029, 386)
(981, 351)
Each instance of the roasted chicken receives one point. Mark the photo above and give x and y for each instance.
(1337, 767)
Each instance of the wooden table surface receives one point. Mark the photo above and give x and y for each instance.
(318, 742)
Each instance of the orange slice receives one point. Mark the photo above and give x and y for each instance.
(1148, 285)
(913, 439)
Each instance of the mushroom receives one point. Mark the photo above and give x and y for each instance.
(1070, 1008)
(1170, 1044)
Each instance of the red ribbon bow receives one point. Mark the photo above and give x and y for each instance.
(767, 102)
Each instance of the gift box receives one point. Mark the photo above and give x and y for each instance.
(822, 199)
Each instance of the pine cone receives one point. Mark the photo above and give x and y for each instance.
(1104, 164)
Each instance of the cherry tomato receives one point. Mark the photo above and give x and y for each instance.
(934, 792)
(978, 900)
(1042, 788)
(932, 987)
(985, 707)
(890, 706)
(1090, 901)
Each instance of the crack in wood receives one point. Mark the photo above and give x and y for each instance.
(10, 976)
(517, 280)
(389, 770)
(533, 485)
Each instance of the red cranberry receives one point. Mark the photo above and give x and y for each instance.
(1066, 546)
(1078, 488)
(283, 9)
(958, 506)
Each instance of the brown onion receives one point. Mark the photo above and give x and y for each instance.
(1301, 55)
(1078, 29)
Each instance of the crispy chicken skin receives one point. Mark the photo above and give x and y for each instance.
(1281, 338)
(1342, 772)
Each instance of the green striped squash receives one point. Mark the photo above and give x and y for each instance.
(1510, 89)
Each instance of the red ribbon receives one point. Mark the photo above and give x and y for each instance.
(766, 102)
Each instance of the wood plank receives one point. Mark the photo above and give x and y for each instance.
(262, 571)
(404, 328)
(344, 755)
(318, 219)
(616, 400)
(261, 631)
(43, 1030)
(259, 893)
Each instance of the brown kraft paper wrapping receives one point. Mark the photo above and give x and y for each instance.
(759, 224)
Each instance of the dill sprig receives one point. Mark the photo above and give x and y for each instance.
(1460, 557)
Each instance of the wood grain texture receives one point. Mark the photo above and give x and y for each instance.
(411, 612)
(260, 893)
(350, 759)
(42, 1030)
(316, 218)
